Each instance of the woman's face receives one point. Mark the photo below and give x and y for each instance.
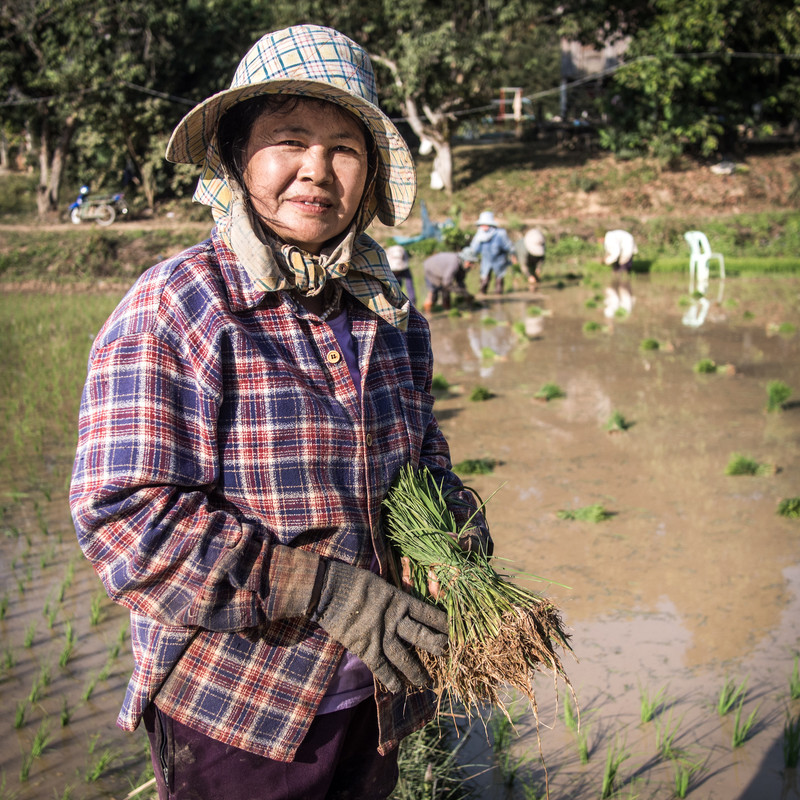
(305, 171)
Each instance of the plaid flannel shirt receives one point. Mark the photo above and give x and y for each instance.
(218, 422)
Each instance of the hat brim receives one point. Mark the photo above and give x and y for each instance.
(396, 178)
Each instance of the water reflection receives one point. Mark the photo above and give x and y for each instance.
(697, 312)
(618, 298)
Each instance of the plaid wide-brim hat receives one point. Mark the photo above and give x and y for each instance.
(309, 61)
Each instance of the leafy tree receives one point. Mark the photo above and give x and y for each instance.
(440, 59)
(696, 71)
(104, 75)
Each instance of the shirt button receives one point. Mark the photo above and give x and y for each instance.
(369, 440)
(333, 357)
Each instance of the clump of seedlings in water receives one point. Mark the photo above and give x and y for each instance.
(683, 772)
(550, 391)
(487, 354)
(729, 695)
(479, 394)
(777, 395)
(791, 742)
(535, 311)
(592, 326)
(593, 513)
(489, 322)
(665, 738)
(617, 423)
(742, 729)
(454, 313)
(794, 680)
(615, 756)
(649, 344)
(649, 705)
(789, 507)
(475, 466)
(440, 383)
(705, 366)
(740, 464)
(573, 724)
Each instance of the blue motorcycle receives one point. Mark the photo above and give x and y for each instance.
(102, 208)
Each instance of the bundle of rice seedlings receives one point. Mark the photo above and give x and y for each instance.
(500, 634)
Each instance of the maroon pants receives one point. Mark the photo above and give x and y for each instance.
(338, 760)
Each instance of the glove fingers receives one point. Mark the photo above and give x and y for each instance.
(428, 615)
(406, 662)
(420, 635)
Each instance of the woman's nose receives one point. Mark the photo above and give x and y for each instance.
(316, 165)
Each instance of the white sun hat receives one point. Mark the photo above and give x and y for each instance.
(308, 61)
(487, 218)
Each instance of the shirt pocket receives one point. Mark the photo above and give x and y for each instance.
(417, 407)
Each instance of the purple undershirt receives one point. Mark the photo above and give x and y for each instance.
(352, 681)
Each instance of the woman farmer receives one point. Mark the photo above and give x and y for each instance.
(494, 247)
(246, 410)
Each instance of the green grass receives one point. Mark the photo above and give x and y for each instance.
(729, 695)
(616, 423)
(550, 391)
(777, 395)
(742, 728)
(649, 705)
(705, 366)
(480, 394)
(593, 513)
(789, 507)
(475, 466)
(740, 464)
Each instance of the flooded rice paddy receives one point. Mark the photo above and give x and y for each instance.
(693, 580)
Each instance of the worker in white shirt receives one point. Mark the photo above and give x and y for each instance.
(620, 248)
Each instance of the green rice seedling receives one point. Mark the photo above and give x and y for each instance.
(25, 768)
(591, 303)
(479, 394)
(705, 366)
(550, 391)
(41, 738)
(786, 328)
(66, 713)
(571, 719)
(67, 793)
(88, 690)
(440, 383)
(777, 394)
(8, 659)
(794, 680)
(621, 312)
(519, 329)
(534, 311)
(649, 705)
(500, 634)
(3, 606)
(592, 326)
(99, 765)
(489, 322)
(617, 423)
(69, 645)
(649, 344)
(748, 315)
(19, 713)
(791, 742)
(583, 745)
(428, 766)
(454, 313)
(742, 729)
(665, 738)
(683, 772)
(740, 464)
(487, 354)
(593, 513)
(616, 755)
(96, 608)
(729, 695)
(502, 730)
(475, 466)
(30, 635)
(789, 507)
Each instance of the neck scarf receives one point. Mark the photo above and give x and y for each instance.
(356, 260)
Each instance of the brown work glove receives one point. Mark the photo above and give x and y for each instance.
(379, 623)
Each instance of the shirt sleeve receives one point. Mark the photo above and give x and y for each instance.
(143, 487)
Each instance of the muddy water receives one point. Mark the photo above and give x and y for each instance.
(692, 581)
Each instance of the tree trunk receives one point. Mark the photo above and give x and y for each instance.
(437, 132)
(51, 168)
